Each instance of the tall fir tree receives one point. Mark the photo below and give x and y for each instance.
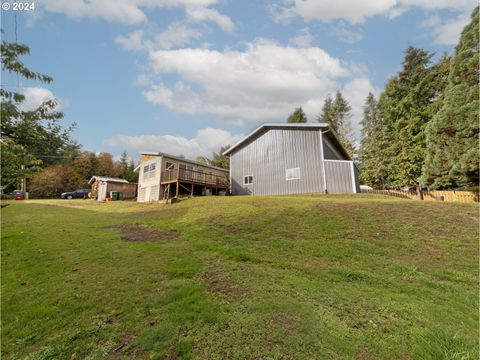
(298, 116)
(372, 161)
(328, 114)
(406, 106)
(453, 134)
(337, 113)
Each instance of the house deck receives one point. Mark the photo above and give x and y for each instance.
(188, 181)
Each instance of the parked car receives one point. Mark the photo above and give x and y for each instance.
(18, 195)
(77, 194)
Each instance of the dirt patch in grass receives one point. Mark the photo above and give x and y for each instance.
(287, 321)
(223, 285)
(140, 233)
(116, 351)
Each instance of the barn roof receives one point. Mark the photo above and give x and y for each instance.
(158, 153)
(106, 178)
(290, 126)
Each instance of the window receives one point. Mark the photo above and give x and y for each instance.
(149, 171)
(169, 166)
(248, 180)
(292, 174)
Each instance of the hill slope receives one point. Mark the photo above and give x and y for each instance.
(297, 277)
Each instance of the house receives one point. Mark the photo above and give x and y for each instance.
(291, 159)
(102, 186)
(163, 176)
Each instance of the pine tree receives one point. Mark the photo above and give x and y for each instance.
(452, 135)
(298, 116)
(328, 114)
(370, 155)
(406, 106)
(220, 160)
(337, 113)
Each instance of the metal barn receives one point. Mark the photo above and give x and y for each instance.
(280, 159)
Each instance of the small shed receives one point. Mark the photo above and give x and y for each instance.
(102, 186)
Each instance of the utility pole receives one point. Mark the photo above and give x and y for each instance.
(24, 182)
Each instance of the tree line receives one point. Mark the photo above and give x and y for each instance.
(423, 130)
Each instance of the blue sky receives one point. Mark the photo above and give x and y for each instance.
(188, 76)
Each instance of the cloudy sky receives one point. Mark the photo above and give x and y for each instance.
(188, 76)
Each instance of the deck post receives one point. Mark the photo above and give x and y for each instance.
(178, 188)
(191, 194)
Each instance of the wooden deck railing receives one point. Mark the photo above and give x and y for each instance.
(194, 177)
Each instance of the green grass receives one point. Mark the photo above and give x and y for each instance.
(293, 277)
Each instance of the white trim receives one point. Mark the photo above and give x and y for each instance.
(230, 174)
(323, 163)
(297, 169)
(244, 176)
(353, 178)
(349, 161)
(332, 149)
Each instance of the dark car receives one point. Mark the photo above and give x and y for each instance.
(19, 195)
(77, 194)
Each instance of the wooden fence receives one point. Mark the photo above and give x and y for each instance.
(434, 195)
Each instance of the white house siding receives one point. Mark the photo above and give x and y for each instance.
(148, 189)
(267, 158)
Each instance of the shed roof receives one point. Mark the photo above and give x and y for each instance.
(290, 126)
(108, 179)
(158, 153)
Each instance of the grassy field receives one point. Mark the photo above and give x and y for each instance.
(297, 277)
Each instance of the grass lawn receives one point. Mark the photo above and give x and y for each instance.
(292, 277)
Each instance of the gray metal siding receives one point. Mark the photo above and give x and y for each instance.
(329, 152)
(339, 177)
(268, 156)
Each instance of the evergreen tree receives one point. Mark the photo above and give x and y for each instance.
(220, 160)
(406, 106)
(371, 158)
(337, 113)
(452, 135)
(127, 168)
(298, 116)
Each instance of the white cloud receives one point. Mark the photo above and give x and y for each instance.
(266, 81)
(281, 14)
(357, 11)
(205, 142)
(133, 42)
(122, 11)
(303, 38)
(34, 96)
(203, 14)
(446, 32)
(176, 34)
(345, 34)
